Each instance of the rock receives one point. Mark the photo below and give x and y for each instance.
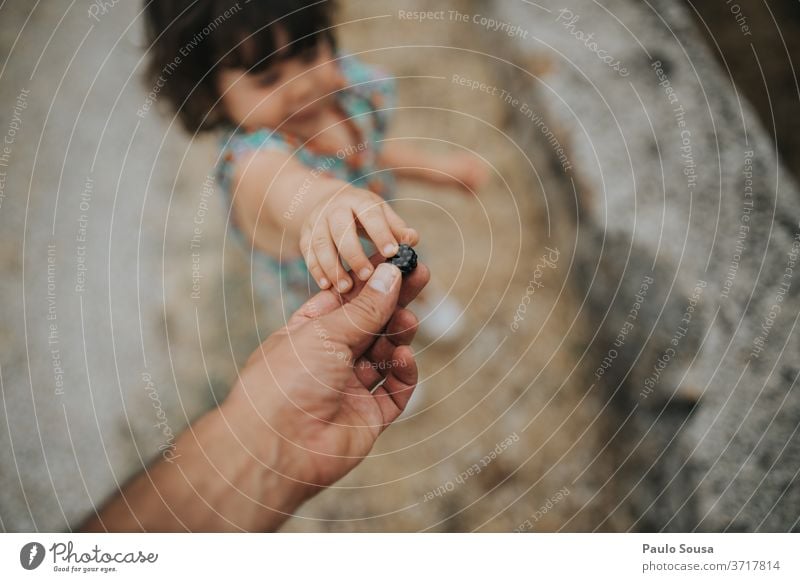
(678, 182)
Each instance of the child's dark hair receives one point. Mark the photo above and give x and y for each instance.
(188, 41)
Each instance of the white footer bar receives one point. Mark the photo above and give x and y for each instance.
(406, 557)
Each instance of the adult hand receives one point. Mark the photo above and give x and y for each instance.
(313, 383)
(306, 409)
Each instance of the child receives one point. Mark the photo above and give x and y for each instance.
(302, 157)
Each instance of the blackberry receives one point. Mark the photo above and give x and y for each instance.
(405, 259)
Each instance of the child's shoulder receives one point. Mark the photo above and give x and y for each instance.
(237, 144)
(373, 88)
(364, 77)
(356, 69)
(238, 140)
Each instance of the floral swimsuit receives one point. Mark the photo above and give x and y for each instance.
(366, 100)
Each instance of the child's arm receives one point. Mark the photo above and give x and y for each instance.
(461, 169)
(324, 215)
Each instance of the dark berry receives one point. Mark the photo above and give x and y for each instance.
(405, 259)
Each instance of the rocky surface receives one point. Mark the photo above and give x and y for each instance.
(679, 183)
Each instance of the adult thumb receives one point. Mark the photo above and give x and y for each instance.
(357, 323)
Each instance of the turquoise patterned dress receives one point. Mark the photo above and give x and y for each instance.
(367, 98)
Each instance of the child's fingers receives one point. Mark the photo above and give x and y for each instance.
(343, 230)
(311, 260)
(403, 232)
(373, 219)
(316, 271)
(328, 258)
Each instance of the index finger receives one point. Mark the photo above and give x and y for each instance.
(326, 301)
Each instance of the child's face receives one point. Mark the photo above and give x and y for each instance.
(289, 94)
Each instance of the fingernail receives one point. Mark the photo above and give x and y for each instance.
(343, 285)
(390, 250)
(384, 277)
(364, 273)
(323, 283)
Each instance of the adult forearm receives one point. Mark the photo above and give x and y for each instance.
(212, 483)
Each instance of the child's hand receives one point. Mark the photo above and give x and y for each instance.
(332, 230)
(467, 171)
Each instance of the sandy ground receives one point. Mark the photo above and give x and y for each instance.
(493, 383)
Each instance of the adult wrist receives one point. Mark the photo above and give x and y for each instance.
(281, 488)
